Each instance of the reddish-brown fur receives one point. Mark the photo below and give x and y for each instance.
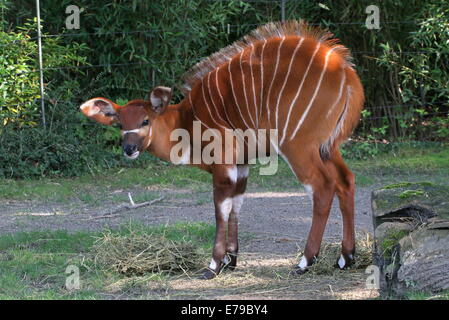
(287, 77)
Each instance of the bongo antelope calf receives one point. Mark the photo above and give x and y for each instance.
(286, 77)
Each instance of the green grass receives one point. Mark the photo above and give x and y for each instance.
(33, 264)
(428, 296)
(409, 163)
(413, 164)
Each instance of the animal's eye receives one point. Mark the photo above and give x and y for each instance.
(145, 123)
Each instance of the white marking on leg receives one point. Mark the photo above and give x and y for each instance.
(302, 263)
(286, 79)
(233, 173)
(237, 202)
(304, 115)
(272, 80)
(287, 121)
(341, 262)
(243, 172)
(225, 259)
(309, 191)
(225, 208)
(213, 265)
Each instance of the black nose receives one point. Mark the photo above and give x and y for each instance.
(130, 149)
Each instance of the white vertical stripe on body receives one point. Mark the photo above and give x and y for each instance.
(261, 78)
(286, 79)
(196, 117)
(207, 105)
(233, 94)
(340, 93)
(253, 86)
(222, 100)
(212, 99)
(297, 94)
(244, 90)
(272, 81)
(317, 88)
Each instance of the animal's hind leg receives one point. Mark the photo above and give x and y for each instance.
(315, 176)
(345, 189)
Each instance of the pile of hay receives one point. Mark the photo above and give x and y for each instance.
(138, 253)
(330, 252)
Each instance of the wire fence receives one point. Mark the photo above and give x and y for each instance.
(225, 27)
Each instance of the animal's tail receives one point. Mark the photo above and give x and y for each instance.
(349, 116)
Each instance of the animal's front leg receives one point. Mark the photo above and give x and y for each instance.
(225, 178)
(237, 201)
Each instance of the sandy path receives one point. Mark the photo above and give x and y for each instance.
(273, 225)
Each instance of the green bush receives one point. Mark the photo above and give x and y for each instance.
(20, 85)
(19, 67)
(401, 65)
(421, 77)
(70, 144)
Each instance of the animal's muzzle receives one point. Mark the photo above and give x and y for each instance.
(130, 149)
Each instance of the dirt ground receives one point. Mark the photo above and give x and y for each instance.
(273, 227)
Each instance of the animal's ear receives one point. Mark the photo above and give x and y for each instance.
(101, 110)
(160, 98)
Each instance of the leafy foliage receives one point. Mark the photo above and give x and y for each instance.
(125, 47)
(19, 67)
(421, 78)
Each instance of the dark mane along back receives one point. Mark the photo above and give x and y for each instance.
(269, 30)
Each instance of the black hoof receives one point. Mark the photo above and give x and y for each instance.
(344, 261)
(304, 265)
(299, 271)
(207, 274)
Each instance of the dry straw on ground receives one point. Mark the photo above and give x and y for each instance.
(138, 253)
(330, 252)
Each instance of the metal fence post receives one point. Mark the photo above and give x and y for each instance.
(41, 74)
